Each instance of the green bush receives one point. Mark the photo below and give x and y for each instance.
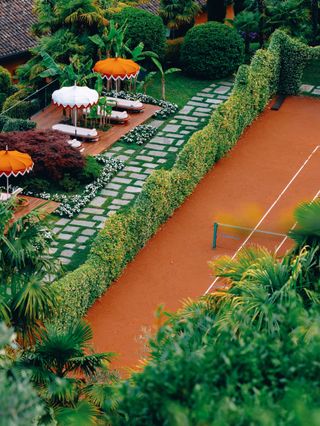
(15, 124)
(15, 106)
(143, 26)
(172, 54)
(5, 80)
(212, 50)
(8, 124)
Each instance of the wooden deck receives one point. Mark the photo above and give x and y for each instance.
(44, 207)
(52, 115)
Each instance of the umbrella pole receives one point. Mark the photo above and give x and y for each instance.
(7, 185)
(75, 119)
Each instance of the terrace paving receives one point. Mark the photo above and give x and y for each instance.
(140, 161)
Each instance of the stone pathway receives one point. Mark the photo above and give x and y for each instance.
(75, 235)
(310, 90)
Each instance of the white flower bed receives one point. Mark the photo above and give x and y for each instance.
(167, 108)
(139, 135)
(71, 205)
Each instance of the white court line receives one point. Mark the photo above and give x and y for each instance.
(295, 224)
(269, 210)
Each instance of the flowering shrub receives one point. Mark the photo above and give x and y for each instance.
(167, 108)
(140, 134)
(71, 205)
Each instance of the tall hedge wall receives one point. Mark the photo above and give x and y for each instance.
(126, 233)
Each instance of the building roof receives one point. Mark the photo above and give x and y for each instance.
(154, 5)
(16, 19)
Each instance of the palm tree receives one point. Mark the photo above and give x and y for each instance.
(61, 362)
(178, 13)
(163, 74)
(80, 14)
(26, 298)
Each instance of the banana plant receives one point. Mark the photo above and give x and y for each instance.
(163, 74)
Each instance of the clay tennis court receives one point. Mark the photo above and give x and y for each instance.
(274, 166)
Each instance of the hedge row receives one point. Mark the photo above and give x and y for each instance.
(9, 124)
(126, 233)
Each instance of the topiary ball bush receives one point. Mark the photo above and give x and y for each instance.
(212, 50)
(143, 26)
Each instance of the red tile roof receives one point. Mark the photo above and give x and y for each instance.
(16, 19)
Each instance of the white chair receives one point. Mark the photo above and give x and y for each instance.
(116, 116)
(79, 132)
(6, 197)
(135, 106)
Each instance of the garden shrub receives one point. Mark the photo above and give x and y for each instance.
(143, 26)
(172, 53)
(5, 85)
(211, 50)
(15, 124)
(126, 233)
(15, 106)
(52, 156)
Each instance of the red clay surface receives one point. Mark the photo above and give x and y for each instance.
(240, 188)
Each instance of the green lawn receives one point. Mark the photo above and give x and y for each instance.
(179, 88)
(312, 73)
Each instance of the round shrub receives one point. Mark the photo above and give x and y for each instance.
(212, 50)
(143, 26)
(53, 157)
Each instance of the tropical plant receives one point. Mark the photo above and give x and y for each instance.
(178, 13)
(246, 22)
(163, 74)
(63, 366)
(19, 402)
(26, 298)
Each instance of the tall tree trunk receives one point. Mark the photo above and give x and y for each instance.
(315, 18)
(262, 18)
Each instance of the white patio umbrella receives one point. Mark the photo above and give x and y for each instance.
(75, 97)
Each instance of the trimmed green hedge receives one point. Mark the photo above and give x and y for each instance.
(15, 106)
(211, 50)
(143, 26)
(126, 233)
(9, 124)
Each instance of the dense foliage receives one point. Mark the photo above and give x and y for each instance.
(211, 51)
(248, 355)
(8, 124)
(5, 85)
(53, 157)
(143, 26)
(19, 105)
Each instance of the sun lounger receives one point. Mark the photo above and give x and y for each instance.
(134, 106)
(5, 197)
(79, 132)
(116, 116)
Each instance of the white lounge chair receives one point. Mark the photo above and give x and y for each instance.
(116, 116)
(135, 106)
(5, 197)
(79, 132)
